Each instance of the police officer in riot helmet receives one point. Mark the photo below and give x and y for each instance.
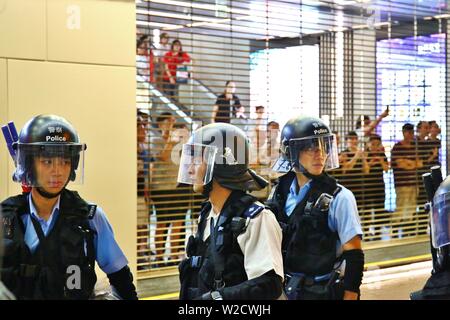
(52, 237)
(322, 234)
(438, 285)
(236, 252)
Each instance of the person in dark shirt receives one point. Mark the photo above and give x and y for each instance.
(435, 142)
(405, 162)
(424, 147)
(354, 168)
(427, 153)
(375, 193)
(226, 105)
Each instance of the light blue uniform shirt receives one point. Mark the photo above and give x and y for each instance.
(343, 215)
(108, 254)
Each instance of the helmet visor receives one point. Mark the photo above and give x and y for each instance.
(197, 164)
(440, 222)
(325, 145)
(49, 166)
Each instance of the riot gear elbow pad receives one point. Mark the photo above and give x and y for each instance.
(269, 286)
(354, 267)
(122, 281)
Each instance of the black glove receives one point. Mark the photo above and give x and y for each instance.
(265, 287)
(122, 281)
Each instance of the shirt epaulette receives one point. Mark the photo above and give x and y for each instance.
(253, 210)
(92, 209)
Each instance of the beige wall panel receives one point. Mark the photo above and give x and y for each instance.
(4, 155)
(22, 29)
(92, 31)
(100, 103)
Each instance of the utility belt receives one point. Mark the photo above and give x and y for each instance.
(299, 286)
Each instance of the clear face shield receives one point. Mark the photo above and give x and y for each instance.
(197, 164)
(50, 166)
(440, 222)
(325, 145)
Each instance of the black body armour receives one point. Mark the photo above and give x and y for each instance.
(63, 265)
(309, 246)
(437, 287)
(217, 262)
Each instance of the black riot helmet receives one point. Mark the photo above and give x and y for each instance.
(440, 224)
(47, 136)
(301, 134)
(219, 151)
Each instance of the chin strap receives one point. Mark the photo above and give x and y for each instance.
(207, 188)
(46, 194)
(305, 172)
(49, 195)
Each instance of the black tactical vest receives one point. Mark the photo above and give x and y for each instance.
(309, 246)
(51, 272)
(218, 261)
(437, 287)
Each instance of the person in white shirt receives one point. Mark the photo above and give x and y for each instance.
(236, 253)
(161, 49)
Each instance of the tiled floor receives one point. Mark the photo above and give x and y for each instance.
(395, 283)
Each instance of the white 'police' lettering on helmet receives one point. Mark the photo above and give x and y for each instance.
(321, 131)
(55, 138)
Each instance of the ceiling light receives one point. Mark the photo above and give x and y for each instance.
(178, 16)
(202, 6)
(156, 24)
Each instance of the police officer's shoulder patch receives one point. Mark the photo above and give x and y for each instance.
(254, 210)
(8, 227)
(92, 209)
(337, 190)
